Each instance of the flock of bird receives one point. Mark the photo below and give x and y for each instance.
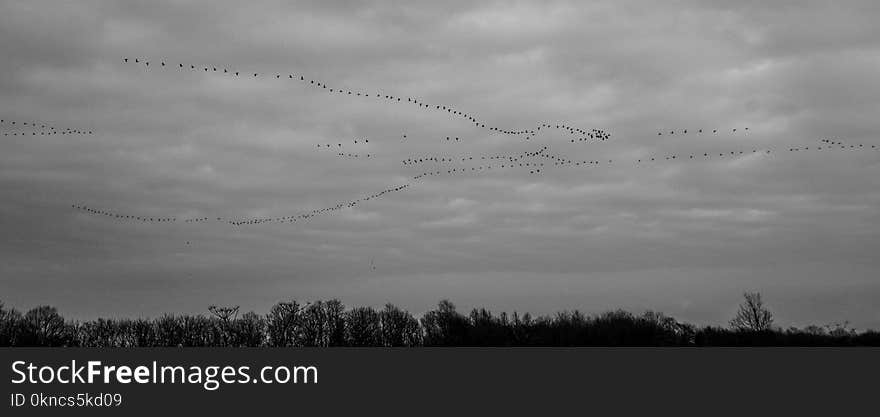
(111, 214)
(348, 154)
(504, 162)
(449, 159)
(37, 129)
(433, 165)
(319, 212)
(353, 155)
(527, 134)
(339, 145)
(535, 162)
(829, 144)
(240, 221)
(699, 131)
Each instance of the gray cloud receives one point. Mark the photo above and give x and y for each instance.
(679, 236)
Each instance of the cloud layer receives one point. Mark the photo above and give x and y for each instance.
(685, 237)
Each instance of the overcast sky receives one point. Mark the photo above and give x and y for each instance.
(680, 236)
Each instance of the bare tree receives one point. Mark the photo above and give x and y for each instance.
(363, 327)
(752, 314)
(227, 317)
(445, 326)
(314, 325)
(399, 327)
(335, 313)
(249, 330)
(46, 326)
(283, 322)
(10, 328)
(225, 314)
(840, 329)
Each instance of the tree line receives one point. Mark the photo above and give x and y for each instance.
(329, 323)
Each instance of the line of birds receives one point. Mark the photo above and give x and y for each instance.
(138, 218)
(448, 159)
(699, 131)
(42, 128)
(318, 212)
(829, 145)
(202, 219)
(344, 154)
(50, 133)
(238, 222)
(340, 144)
(508, 161)
(299, 217)
(832, 141)
(595, 135)
(529, 160)
(529, 133)
(586, 136)
(705, 155)
(536, 168)
(353, 155)
(563, 162)
(115, 215)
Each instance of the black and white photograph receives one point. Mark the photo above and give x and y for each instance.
(407, 175)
